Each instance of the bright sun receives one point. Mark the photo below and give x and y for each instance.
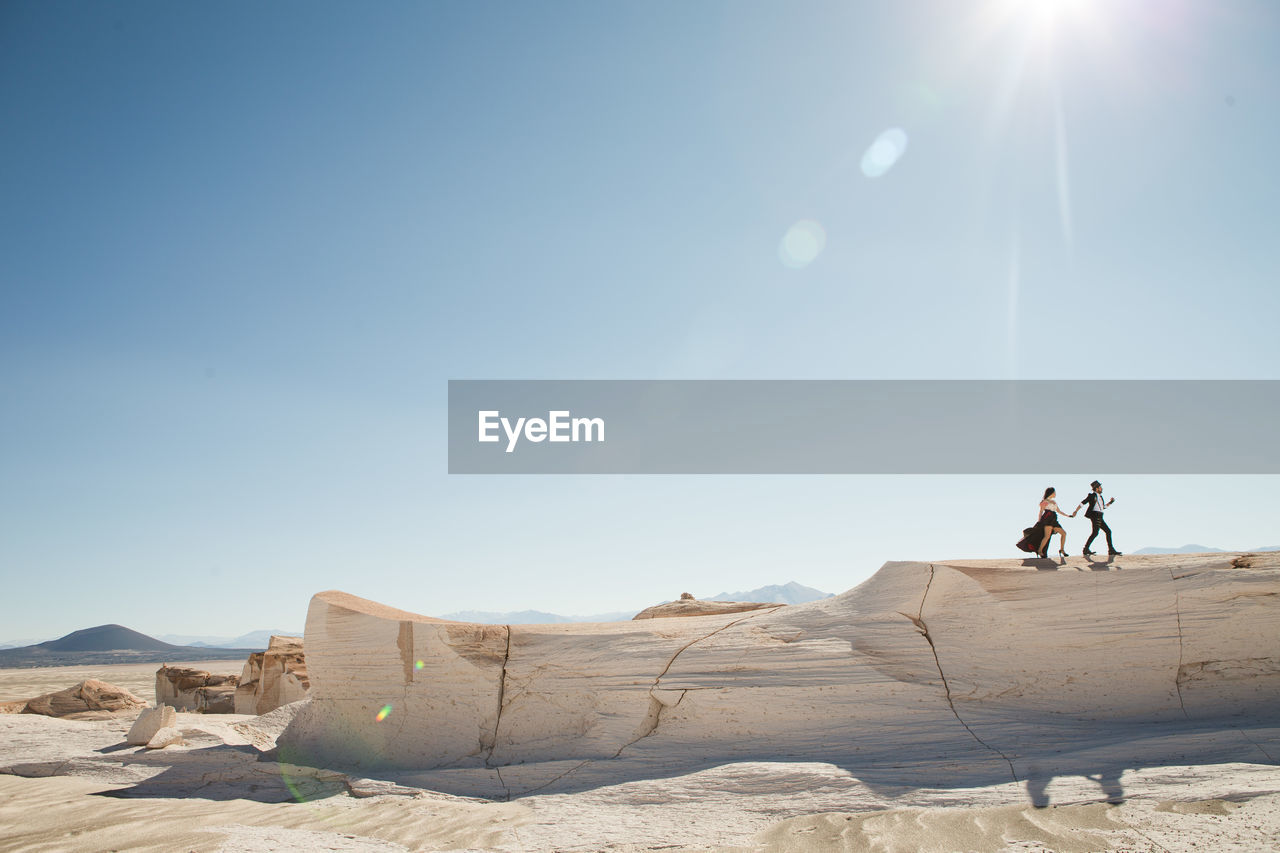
(1048, 14)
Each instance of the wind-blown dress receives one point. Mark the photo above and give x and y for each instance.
(1034, 535)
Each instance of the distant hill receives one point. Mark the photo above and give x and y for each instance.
(19, 642)
(107, 644)
(105, 638)
(788, 593)
(253, 638)
(516, 617)
(532, 617)
(1185, 549)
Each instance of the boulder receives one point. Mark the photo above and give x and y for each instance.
(690, 606)
(273, 678)
(188, 689)
(150, 721)
(90, 695)
(168, 736)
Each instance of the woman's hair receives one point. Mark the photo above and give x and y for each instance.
(1048, 492)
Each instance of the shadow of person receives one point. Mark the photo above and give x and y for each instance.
(1109, 781)
(1037, 783)
(1037, 787)
(1097, 564)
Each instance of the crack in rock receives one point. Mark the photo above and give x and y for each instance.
(506, 795)
(656, 706)
(502, 692)
(1255, 743)
(923, 628)
(1177, 678)
(650, 723)
(552, 781)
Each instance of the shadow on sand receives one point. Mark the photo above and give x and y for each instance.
(1087, 759)
(1053, 564)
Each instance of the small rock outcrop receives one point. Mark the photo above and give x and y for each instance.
(189, 689)
(90, 696)
(150, 721)
(690, 606)
(273, 678)
(168, 736)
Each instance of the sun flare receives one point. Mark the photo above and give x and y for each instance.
(1047, 16)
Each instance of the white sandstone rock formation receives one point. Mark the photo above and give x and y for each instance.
(150, 721)
(975, 664)
(90, 698)
(168, 736)
(187, 689)
(273, 678)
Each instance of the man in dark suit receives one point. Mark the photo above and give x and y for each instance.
(1094, 506)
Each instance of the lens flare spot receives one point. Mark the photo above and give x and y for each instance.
(802, 244)
(419, 665)
(884, 152)
(383, 713)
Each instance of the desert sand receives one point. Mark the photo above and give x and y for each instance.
(996, 705)
(138, 678)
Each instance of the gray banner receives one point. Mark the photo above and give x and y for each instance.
(863, 427)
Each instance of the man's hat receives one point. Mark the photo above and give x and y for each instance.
(1095, 484)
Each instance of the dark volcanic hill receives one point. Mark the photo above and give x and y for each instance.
(106, 638)
(108, 644)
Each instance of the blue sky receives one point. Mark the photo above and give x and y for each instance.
(245, 247)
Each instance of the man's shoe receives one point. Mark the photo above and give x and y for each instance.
(1115, 554)
(1088, 553)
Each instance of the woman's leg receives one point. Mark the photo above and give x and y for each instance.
(1044, 543)
(1062, 542)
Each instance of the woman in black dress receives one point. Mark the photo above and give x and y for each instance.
(1035, 539)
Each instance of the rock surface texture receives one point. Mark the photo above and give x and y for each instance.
(89, 698)
(189, 689)
(273, 678)
(973, 672)
(167, 736)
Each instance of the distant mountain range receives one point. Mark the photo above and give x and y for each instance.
(105, 644)
(789, 593)
(1199, 549)
(533, 617)
(253, 638)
